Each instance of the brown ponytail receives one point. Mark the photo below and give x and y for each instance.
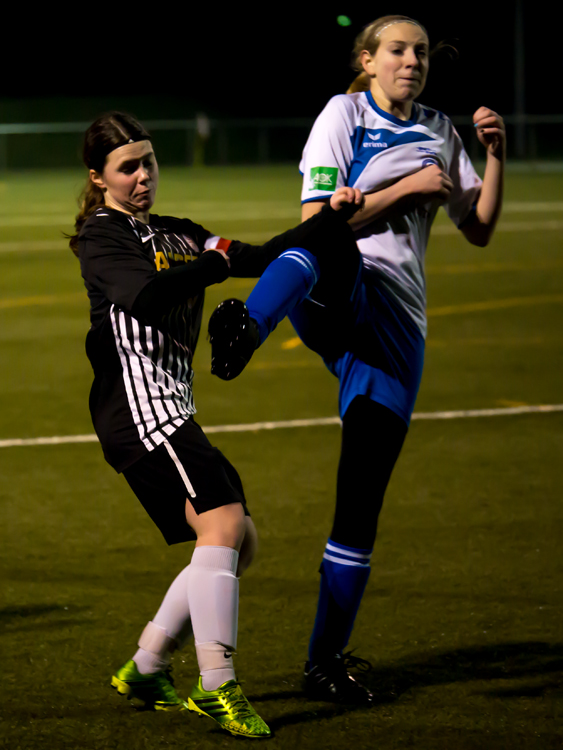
(90, 199)
(109, 132)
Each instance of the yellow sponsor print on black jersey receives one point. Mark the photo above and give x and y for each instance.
(162, 260)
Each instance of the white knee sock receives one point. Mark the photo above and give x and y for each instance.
(169, 629)
(213, 601)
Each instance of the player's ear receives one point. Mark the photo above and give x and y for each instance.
(97, 179)
(367, 63)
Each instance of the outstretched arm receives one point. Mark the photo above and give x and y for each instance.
(114, 264)
(172, 287)
(429, 183)
(328, 227)
(492, 134)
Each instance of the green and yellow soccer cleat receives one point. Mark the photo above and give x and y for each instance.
(229, 708)
(155, 690)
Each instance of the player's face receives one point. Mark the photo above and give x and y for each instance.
(400, 64)
(130, 178)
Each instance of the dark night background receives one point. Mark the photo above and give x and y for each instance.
(279, 60)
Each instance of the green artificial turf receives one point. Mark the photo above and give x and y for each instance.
(462, 619)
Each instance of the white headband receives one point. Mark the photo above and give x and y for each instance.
(392, 23)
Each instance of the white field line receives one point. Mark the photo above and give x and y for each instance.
(505, 226)
(275, 209)
(439, 230)
(293, 423)
(33, 246)
(39, 220)
(516, 207)
(242, 209)
(41, 216)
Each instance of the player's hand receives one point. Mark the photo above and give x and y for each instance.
(221, 252)
(349, 200)
(491, 131)
(430, 183)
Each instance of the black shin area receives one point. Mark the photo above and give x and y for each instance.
(372, 438)
(339, 266)
(325, 319)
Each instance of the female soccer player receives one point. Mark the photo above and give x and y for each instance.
(366, 313)
(145, 276)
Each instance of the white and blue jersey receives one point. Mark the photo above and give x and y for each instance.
(355, 143)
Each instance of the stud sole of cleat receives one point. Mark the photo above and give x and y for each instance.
(229, 330)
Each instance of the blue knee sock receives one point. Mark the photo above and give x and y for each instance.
(344, 575)
(283, 285)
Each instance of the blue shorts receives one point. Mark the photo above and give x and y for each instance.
(372, 347)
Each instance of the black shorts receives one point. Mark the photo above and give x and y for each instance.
(186, 466)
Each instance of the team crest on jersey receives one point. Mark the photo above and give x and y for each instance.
(323, 178)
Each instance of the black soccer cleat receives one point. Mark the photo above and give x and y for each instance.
(234, 337)
(331, 681)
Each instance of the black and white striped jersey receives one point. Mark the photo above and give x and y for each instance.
(142, 390)
(146, 286)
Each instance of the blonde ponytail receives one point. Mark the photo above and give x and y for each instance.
(359, 84)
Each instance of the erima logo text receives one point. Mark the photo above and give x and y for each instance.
(374, 141)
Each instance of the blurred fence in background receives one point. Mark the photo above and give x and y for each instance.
(215, 142)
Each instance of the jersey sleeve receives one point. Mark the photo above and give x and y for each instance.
(327, 228)
(203, 238)
(328, 152)
(112, 260)
(467, 183)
